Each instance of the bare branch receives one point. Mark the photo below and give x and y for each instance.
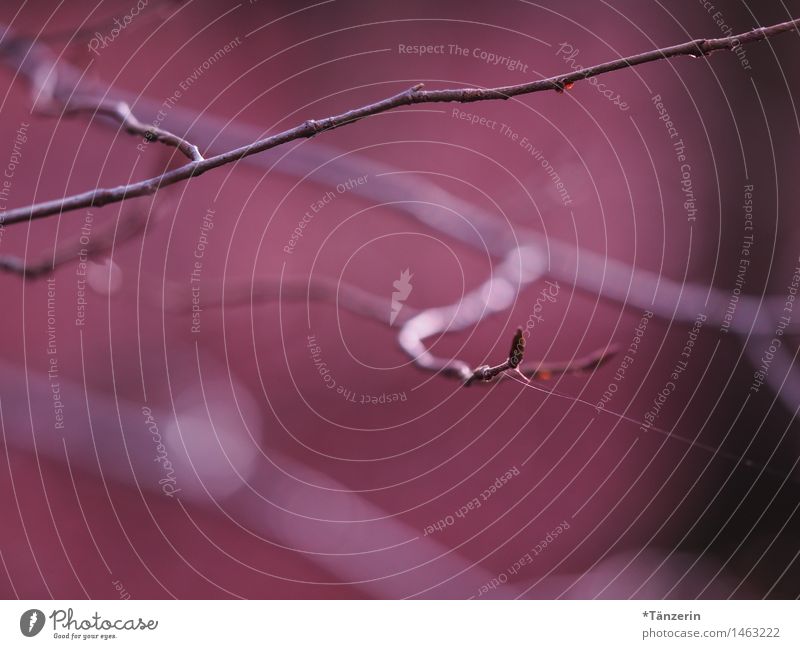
(102, 239)
(73, 36)
(365, 304)
(496, 294)
(45, 74)
(587, 270)
(121, 112)
(295, 289)
(539, 370)
(414, 95)
(72, 248)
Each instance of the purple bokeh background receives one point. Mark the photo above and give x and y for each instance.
(288, 489)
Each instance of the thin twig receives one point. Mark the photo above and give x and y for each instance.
(101, 240)
(587, 270)
(414, 95)
(365, 304)
(39, 67)
(74, 247)
(295, 289)
(45, 74)
(540, 370)
(495, 295)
